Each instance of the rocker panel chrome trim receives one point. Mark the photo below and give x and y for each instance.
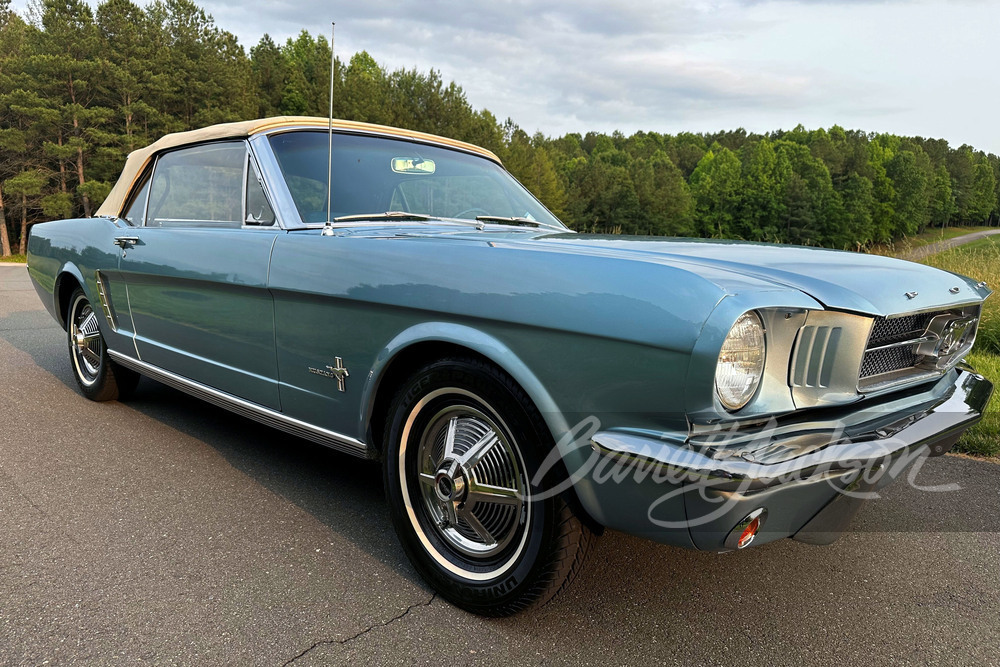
(247, 409)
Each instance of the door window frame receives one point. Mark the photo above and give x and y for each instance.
(249, 162)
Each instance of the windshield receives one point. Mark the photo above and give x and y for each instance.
(373, 175)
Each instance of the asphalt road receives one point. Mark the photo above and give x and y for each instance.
(167, 531)
(923, 251)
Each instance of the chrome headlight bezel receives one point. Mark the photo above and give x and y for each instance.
(739, 368)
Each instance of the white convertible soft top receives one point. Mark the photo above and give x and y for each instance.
(138, 159)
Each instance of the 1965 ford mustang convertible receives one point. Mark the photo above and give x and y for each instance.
(523, 386)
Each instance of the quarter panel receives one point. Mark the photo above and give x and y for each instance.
(76, 249)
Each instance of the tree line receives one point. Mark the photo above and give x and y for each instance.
(80, 88)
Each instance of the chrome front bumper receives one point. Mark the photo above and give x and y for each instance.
(811, 471)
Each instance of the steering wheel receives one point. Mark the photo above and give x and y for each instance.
(461, 214)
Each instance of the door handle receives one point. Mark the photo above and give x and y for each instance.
(126, 242)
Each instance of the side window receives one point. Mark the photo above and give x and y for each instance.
(259, 212)
(136, 212)
(198, 187)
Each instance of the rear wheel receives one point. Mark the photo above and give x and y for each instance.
(462, 450)
(99, 378)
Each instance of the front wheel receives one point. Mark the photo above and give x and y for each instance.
(462, 449)
(99, 378)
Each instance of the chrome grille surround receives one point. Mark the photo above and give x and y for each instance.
(910, 347)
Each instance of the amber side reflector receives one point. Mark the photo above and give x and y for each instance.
(744, 532)
(748, 534)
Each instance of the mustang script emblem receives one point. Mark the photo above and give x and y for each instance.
(338, 371)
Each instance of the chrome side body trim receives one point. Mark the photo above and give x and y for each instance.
(135, 346)
(102, 295)
(247, 409)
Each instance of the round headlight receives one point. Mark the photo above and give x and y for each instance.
(741, 362)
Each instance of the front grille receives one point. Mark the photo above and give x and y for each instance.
(877, 362)
(891, 355)
(893, 330)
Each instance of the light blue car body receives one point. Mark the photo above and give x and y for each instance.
(624, 331)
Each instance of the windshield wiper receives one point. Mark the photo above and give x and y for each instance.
(404, 216)
(388, 215)
(514, 220)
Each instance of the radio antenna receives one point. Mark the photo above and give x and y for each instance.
(329, 161)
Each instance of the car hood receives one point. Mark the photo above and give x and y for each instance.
(841, 280)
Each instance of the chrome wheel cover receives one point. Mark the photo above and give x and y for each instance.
(470, 489)
(86, 344)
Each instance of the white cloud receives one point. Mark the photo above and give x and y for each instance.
(922, 67)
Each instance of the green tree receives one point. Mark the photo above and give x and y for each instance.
(269, 70)
(910, 184)
(761, 202)
(13, 37)
(130, 87)
(532, 166)
(812, 211)
(858, 198)
(28, 186)
(961, 165)
(715, 187)
(665, 203)
(983, 199)
(366, 91)
(211, 80)
(66, 65)
(883, 193)
(603, 197)
(942, 204)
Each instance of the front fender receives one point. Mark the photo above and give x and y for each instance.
(475, 340)
(572, 456)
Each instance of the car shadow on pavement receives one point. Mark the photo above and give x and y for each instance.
(342, 491)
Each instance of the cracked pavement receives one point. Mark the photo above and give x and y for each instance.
(167, 531)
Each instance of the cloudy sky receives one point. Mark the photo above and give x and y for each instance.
(555, 66)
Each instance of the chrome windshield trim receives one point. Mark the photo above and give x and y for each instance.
(286, 215)
(372, 133)
(332, 439)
